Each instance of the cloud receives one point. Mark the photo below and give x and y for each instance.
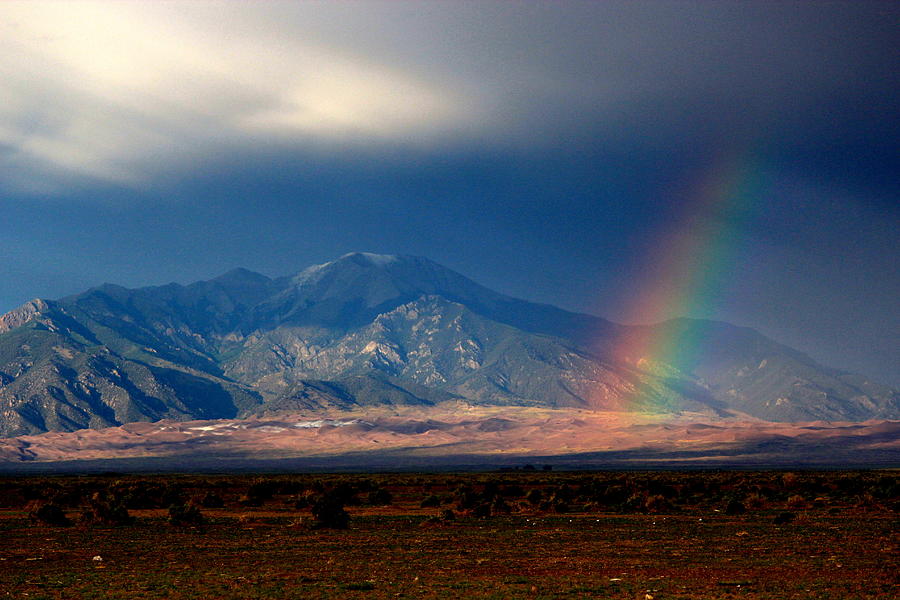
(347, 100)
(126, 92)
(115, 91)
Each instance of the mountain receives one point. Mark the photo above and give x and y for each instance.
(367, 330)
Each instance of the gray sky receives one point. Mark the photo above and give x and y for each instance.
(551, 150)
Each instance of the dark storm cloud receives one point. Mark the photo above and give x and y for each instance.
(198, 78)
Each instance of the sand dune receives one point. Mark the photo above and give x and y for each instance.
(504, 433)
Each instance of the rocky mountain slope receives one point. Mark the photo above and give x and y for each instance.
(372, 330)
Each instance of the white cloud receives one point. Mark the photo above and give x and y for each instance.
(344, 99)
(116, 90)
(127, 91)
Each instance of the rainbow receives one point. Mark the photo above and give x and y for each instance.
(686, 272)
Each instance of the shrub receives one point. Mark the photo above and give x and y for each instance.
(565, 493)
(498, 506)
(431, 501)
(65, 497)
(789, 480)
(12, 495)
(657, 503)
(662, 489)
(328, 510)
(34, 492)
(513, 491)
(262, 490)
(887, 488)
(246, 519)
(290, 487)
(866, 500)
(211, 500)
(105, 509)
(534, 497)
(491, 489)
(172, 494)
(185, 515)
(796, 501)
(616, 495)
(140, 494)
(304, 500)
(346, 493)
(47, 513)
(635, 503)
(785, 517)
(380, 497)
(362, 586)
(735, 507)
(754, 501)
(249, 500)
(446, 516)
(466, 499)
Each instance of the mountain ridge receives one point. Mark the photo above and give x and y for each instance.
(367, 329)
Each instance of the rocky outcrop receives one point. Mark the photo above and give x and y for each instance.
(23, 314)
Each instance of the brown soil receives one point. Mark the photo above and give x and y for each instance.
(843, 544)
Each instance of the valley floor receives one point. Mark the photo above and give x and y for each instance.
(578, 537)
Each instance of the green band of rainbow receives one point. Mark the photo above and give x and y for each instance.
(687, 272)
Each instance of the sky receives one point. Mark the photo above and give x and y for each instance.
(740, 159)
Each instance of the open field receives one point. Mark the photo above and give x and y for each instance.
(515, 534)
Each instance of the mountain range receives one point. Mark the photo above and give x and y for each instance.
(369, 330)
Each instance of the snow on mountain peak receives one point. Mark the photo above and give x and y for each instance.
(311, 274)
(378, 260)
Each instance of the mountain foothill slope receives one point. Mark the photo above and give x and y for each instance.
(367, 330)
